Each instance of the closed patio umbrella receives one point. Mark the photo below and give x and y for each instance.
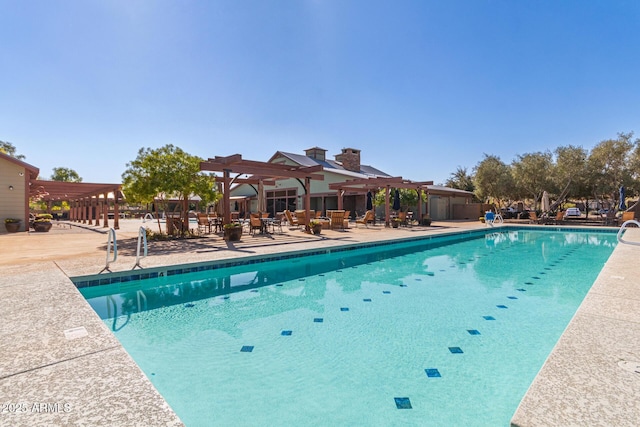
(545, 201)
(369, 201)
(396, 201)
(623, 205)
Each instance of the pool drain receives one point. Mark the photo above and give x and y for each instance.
(630, 366)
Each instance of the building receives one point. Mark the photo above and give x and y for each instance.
(289, 193)
(15, 176)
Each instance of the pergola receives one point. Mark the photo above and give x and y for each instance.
(364, 185)
(261, 173)
(86, 199)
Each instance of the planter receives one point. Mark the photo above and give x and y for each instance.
(42, 227)
(316, 229)
(232, 234)
(12, 227)
(426, 221)
(395, 224)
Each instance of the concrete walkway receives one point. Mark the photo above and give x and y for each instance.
(60, 365)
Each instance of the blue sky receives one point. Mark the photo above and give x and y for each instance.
(421, 87)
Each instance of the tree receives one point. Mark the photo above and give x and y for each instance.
(493, 179)
(610, 162)
(532, 174)
(167, 172)
(9, 149)
(461, 180)
(571, 169)
(65, 175)
(408, 198)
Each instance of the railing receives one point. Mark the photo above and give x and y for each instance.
(142, 237)
(622, 227)
(112, 243)
(148, 216)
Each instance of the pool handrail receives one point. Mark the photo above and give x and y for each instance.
(142, 237)
(622, 227)
(112, 242)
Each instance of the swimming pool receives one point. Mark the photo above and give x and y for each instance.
(410, 334)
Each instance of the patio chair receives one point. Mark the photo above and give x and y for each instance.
(204, 223)
(366, 219)
(626, 216)
(402, 216)
(277, 222)
(337, 220)
(489, 218)
(533, 218)
(255, 224)
(559, 219)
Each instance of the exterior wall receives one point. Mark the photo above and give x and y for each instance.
(319, 191)
(445, 207)
(470, 211)
(13, 203)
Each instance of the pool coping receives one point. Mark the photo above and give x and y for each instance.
(53, 369)
(585, 380)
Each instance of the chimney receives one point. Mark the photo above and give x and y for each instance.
(316, 153)
(350, 159)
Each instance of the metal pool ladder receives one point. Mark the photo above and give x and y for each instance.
(622, 227)
(142, 237)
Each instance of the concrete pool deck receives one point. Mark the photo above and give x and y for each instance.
(60, 365)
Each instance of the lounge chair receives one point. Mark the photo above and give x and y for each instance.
(366, 219)
(301, 216)
(293, 222)
(337, 220)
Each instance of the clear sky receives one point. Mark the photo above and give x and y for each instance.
(421, 87)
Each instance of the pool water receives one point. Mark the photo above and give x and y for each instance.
(410, 334)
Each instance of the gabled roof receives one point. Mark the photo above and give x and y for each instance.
(330, 165)
(33, 171)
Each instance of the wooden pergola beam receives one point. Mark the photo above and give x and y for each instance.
(261, 172)
(247, 181)
(364, 185)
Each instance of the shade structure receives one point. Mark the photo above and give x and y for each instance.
(396, 201)
(369, 201)
(623, 205)
(545, 201)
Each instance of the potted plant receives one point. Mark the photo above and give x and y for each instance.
(316, 226)
(12, 224)
(232, 231)
(395, 222)
(426, 220)
(42, 223)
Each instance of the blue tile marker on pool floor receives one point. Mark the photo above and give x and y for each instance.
(403, 402)
(432, 373)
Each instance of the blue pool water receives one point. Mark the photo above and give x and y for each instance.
(409, 334)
